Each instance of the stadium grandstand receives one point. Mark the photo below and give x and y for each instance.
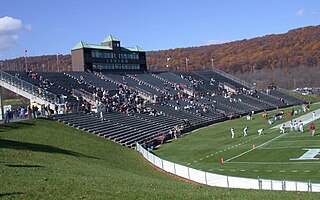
(142, 107)
(129, 106)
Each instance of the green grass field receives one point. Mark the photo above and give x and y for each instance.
(204, 148)
(42, 159)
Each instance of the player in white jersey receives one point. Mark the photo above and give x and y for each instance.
(282, 129)
(245, 131)
(232, 133)
(260, 131)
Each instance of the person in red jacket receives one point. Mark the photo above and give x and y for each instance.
(313, 129)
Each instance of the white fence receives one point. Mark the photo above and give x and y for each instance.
(223, 180)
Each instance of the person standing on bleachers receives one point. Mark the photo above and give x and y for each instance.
(101, 116)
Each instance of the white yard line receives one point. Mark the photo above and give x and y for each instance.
(275, 163)
(291, 147)
(290, 141)
(261, 145)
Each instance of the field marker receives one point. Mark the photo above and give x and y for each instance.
(294, 170)
(282, 171)
(269, 171)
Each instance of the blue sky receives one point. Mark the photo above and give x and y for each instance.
(47, 27)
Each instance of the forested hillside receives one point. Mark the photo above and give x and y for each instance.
(298, 47)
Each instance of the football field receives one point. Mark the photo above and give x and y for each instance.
(290, 156)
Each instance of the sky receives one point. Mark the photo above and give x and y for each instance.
(48, 27)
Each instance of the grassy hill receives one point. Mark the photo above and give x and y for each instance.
(42, 159)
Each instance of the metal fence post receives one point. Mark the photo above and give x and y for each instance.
(283, 185)
(260, 183)
(271, 185)
(205, 177)
(174, 167)
(189, 173)
(296, 186)
(309, 186)
(228, 181)
(161, 164)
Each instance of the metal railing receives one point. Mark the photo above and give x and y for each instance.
(219, 71)
(30, 88)
(85, 94)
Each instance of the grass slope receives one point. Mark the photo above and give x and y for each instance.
(42, 159)
(204, 148)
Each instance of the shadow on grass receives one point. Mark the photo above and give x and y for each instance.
(24, 166)
(10, 194)
(16, 125)
(17, 145)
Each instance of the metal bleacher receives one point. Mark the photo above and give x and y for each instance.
(126, 129)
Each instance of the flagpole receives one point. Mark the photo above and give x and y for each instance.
(25, 59)
(187, 64)
(168, 59)
(58, 61)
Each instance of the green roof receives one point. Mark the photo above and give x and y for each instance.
(82, 45)
(110, 38)
(136, 48)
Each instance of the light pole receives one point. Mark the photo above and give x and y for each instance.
(212, 59)
(58, 61)
(25, 59)
(168, 59)
(187, 60)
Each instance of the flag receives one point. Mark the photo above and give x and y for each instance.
(58, 54)
(187, 59)
(25, 51)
